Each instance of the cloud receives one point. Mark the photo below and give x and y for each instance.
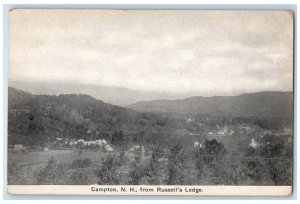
(203, 52)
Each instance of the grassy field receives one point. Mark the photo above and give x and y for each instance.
(61, 156)
(23, 167)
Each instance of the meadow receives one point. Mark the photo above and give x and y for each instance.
(23, 167)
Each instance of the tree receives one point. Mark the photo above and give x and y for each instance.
(107, 173)
(210, 162)
(267, 163)
(175, 165)
(118, 138)
(138, 171)
(213, 152)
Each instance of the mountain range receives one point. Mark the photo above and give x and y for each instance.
(113, 95)
(261, 104)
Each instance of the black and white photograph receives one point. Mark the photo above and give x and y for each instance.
(159, 101)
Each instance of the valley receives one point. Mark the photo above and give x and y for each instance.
(77, 139)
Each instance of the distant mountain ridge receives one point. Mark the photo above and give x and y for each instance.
(113, 95)
(262, 104)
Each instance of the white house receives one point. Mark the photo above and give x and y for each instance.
(108, 148)
(18, 148)
(253, 143)
(137, 148)
(197, 144)
(163, 160)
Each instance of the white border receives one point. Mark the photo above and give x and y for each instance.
(157, 2)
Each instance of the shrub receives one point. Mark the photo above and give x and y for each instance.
(51, 173)
(80, 178)
(81, 163)
(107, 173)
(139, 172)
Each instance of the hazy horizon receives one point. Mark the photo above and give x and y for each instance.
(202, 53)
(16, 84)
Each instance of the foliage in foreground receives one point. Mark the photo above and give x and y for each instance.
(209, 165)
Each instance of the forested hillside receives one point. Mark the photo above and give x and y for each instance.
(262, 104)
(39, 119)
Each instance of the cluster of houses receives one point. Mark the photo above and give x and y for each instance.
(61, 143)
(245, 129)
(81, 143)
(252, 144)
(100, 143)
(189, 120)
(256, 145)
(221, 132)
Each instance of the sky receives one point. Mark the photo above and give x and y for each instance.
(198, 52)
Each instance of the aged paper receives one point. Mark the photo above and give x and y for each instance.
(150, 102)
